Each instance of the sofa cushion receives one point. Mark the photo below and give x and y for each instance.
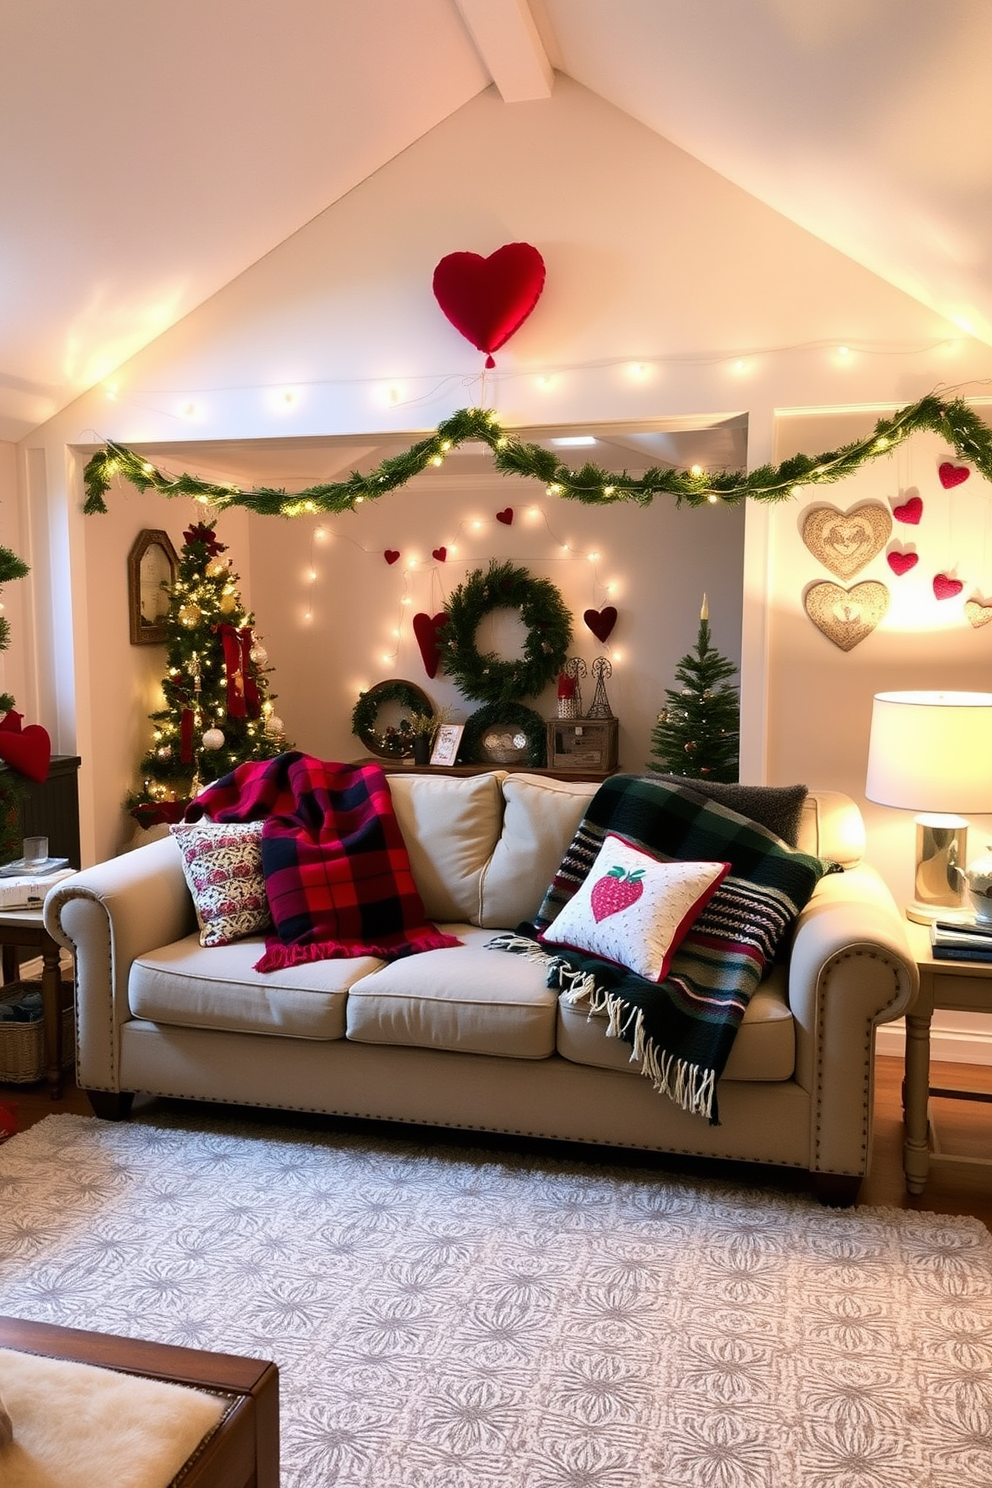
(462, 998)
(187, 986)
(450, 825)
(222, 865)
(540, 818)
(764, 1047)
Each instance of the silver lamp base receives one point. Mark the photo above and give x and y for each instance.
(941, 853)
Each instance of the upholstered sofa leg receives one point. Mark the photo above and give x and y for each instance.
(837, 1190)
(111, 1105)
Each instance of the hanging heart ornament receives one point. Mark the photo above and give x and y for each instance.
(601, 622)
(952, 475)
(845, 541)
(977, 614)
(427, 630)
(846, 616)
(487, 299)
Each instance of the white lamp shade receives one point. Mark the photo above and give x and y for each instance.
(931, 752)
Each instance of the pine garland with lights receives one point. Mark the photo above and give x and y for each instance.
(698, 731)
(218, 709)
(968, 436)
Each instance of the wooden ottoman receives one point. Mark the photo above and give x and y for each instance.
(243, 1452)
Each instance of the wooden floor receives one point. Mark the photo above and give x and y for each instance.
(964, 1127)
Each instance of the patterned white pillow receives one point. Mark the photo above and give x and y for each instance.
(634, 910)
(222, 862)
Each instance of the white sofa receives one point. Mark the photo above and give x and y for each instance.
(470, 1037)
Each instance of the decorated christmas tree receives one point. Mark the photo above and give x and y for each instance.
(698, 731)
(218, 709)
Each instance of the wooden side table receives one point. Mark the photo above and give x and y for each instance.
(954, 986)
(242, 1453)
(26, 927)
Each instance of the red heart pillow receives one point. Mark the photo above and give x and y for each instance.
(487, 299)
(27, 750)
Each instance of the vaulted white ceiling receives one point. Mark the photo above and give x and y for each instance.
(152, 151)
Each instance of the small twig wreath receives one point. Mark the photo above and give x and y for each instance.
(549, 634)
(395, 741)
(511, 717)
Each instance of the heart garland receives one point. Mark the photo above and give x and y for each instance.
(952, 475)
(439, 553)
(910, 511)
(505, 516)
(487, 299)
(977, 613)
(427, 629)
(901, 563)
(391, 555)
(601, 622)
(944, 587)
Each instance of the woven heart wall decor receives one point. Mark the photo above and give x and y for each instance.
(846, 616)
(845, 541)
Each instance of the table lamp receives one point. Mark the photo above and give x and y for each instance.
(931, 752)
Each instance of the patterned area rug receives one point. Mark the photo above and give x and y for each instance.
(451, 1318)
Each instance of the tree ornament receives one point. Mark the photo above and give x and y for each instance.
(274, 724)
(190, 615)
(488, 299)
(258, 654)
(543, 612)
(228, 603)
(213, 739)
(215, 568)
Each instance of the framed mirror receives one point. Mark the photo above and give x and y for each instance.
(152, 565)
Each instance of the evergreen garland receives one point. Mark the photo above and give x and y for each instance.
(954, 421)
(543, 612)
(698, 731)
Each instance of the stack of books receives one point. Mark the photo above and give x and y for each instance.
(961, 942)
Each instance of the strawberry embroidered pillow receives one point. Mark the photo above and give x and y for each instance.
(633, 909)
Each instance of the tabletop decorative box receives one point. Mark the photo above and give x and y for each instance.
(582, 744)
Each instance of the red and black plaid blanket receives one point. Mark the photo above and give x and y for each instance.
(337, 872)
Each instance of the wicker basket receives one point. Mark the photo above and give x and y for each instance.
(22, 1045)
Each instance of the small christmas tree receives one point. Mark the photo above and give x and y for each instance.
(218, 710)
(698, 731)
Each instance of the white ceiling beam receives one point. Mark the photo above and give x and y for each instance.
(510, 47)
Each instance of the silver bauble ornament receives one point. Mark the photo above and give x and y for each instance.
(213, 739)
(274, 724)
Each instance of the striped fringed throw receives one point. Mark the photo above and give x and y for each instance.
(681, 1029)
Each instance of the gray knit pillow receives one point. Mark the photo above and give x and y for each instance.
(777, 807)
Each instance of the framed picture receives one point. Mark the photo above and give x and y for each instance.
(445, 750)
(152, 566)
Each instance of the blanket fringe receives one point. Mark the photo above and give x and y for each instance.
(690, 1086)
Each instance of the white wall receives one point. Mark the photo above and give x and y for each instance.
(670, 292)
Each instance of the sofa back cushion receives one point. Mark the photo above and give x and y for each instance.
(450, 825)
(540, 818)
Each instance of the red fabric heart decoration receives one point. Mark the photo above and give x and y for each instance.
(505, 516)
(910, 511)
(901, 563)
(391, 555)
(439, 553)
(427, 629)
(952, 475)
(601, 622)
(946, 588)
(29, 751)
(487, 299)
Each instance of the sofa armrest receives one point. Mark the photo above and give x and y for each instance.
(106, 916)
(851, 967)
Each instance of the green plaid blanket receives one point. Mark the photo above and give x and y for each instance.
(682, 1028)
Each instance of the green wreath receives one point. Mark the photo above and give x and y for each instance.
(513, 715)
(393, 742)
(549, 634)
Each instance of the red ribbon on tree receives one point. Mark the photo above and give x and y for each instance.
(186, 737)
(242, 692)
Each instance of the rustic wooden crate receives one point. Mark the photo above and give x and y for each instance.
(582, 744)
